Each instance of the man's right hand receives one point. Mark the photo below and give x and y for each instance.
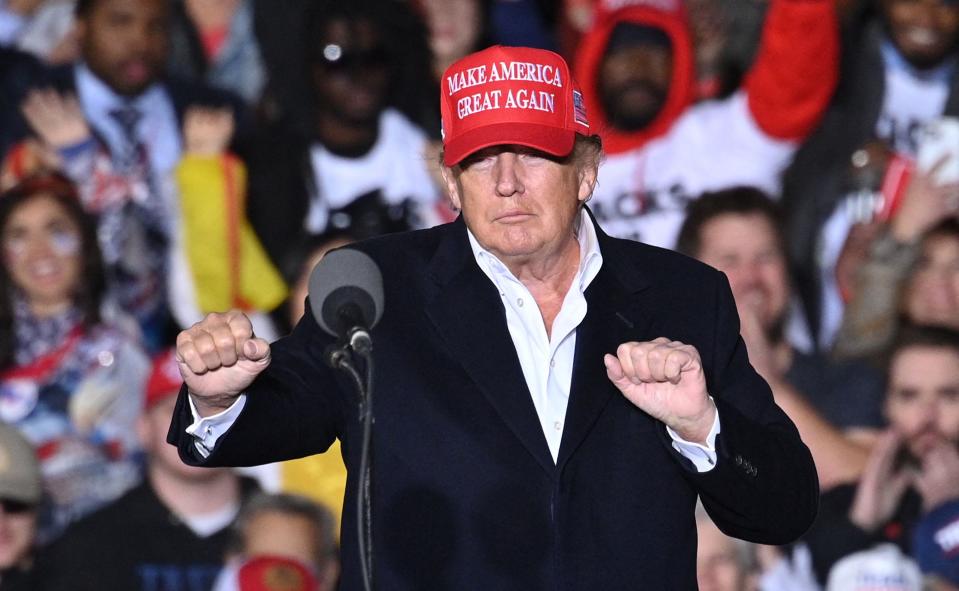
(219, 357)
(882, 484)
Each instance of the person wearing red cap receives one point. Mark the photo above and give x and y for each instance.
(550, 401)
(170, 532)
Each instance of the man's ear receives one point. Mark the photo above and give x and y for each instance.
(587, 182)
(452, 186)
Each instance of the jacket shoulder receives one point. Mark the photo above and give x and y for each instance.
(416, 245)
(660, 266)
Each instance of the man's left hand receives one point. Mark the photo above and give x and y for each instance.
(938, 480)
(665, 379)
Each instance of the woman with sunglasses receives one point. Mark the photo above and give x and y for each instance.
(71, 383)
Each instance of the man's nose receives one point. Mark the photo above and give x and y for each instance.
(930, 412)
(744, 276)
(925, 13)
(508, 175)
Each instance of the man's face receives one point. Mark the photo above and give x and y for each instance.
(922, 402)
(745, 247)
(634, 83)
(717, 559)
(18, 527)
(124, 42)
(519, 203)
(932, 295)
(923, 30)
(352, 77)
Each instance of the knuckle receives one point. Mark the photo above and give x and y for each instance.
(224, 340)
(213, 318)
(204, 346)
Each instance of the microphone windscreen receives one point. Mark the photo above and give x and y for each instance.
(345, 276)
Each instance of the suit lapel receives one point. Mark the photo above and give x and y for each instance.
(468, 313)
(615, 314)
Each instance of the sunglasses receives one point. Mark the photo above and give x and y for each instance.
(335, 60)
(12, 507)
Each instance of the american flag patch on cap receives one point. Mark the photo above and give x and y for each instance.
(579, 108)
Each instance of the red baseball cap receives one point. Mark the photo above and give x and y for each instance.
(165, 379)
(510, 95)
(275, 573)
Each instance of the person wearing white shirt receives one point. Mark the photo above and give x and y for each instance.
(537, 422)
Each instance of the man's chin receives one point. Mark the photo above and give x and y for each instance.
(633, 121)
(920, 445)
(923, 58)
(131, 89)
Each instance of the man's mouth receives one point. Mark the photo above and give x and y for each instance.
(922, 36)
(512, 217)
(135, 71)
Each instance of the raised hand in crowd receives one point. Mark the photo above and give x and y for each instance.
(665, 379)
(839, 458)
(57, 119)
(762, 351)
(882, 484)
(938, 478)
(207, 131)
(219, 357)
(925, 203)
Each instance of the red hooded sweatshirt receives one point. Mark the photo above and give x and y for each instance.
(789, 86)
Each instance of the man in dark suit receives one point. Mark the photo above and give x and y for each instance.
(549, 401)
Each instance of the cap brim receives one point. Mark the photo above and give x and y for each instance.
(23, 492)
(552, 140)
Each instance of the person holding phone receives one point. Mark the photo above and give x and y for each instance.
(908, 494)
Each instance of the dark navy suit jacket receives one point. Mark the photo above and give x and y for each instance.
(466, 494)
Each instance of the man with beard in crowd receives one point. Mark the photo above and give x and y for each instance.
(908, 495)
(636, 68)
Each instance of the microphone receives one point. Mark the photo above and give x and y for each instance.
(346, 296)
(346, 299)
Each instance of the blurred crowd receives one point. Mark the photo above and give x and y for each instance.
(164, 159)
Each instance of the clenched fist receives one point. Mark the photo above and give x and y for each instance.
(219, 357)
(665, 379)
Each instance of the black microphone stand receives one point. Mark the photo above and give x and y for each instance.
(359, 342)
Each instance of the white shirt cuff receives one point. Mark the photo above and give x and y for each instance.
(702, 456)
(207, 430)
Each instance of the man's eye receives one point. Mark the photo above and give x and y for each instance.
(532, 157)
(478, 161)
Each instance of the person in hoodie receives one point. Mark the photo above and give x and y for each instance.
(636, 66)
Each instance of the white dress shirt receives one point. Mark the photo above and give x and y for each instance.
(546, 360)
